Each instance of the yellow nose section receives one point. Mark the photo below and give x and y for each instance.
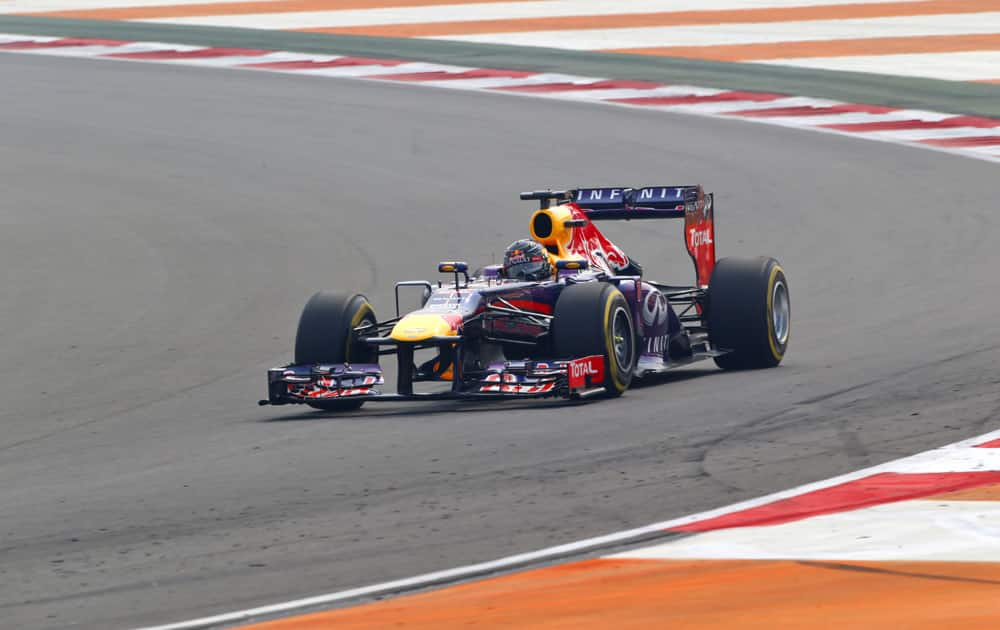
(423, 326)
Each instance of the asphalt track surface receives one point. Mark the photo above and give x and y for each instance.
(160, 228)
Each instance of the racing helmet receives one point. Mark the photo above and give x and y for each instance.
(526, 260)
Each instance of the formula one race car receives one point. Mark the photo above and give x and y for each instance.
(586, 326)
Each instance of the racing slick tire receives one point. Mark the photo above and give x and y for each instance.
(593, 318)
(326, 335)
(749, 312)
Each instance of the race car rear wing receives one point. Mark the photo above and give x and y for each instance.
(653, 202)
(690, 203)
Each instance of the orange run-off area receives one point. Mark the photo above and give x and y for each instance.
(678, 594)
(732, 594)
(980, 493)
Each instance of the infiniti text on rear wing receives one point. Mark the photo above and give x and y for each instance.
(653, 202)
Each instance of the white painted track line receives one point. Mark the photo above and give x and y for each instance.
(97, 50)
(493, 83)
(609, 95)
(937, 134)
(381, 71)
(851, 118)
(727, 107)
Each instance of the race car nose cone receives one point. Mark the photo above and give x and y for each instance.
(423, 326)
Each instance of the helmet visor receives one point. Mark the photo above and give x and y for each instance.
(538, 270)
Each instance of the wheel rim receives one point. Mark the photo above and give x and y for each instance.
(780, 312)
(621, 332)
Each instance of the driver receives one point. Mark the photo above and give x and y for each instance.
(525, 260)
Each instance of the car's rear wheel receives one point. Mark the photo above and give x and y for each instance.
(326, 335)
(594, 318)
(749, 312)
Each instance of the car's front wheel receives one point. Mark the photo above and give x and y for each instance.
(593, 318)
(326, 335)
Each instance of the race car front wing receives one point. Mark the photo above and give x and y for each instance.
(304, 384)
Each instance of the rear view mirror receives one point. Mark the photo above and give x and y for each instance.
(453, 267)
(575, 264)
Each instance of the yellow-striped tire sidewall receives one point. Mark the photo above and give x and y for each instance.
(609, 342)
(366, 309)
(777, 349)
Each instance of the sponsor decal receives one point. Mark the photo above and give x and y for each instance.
(527, 389)
(654, 309)
(591, 245)
(517, 257)
(449, 300)
(700, 237)
(318, 392)
(588, 370)
(454, 320)
(698, 209)
(656, 345)
(327, 387)
(519, 389)
(603, 195)
(659, 193)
